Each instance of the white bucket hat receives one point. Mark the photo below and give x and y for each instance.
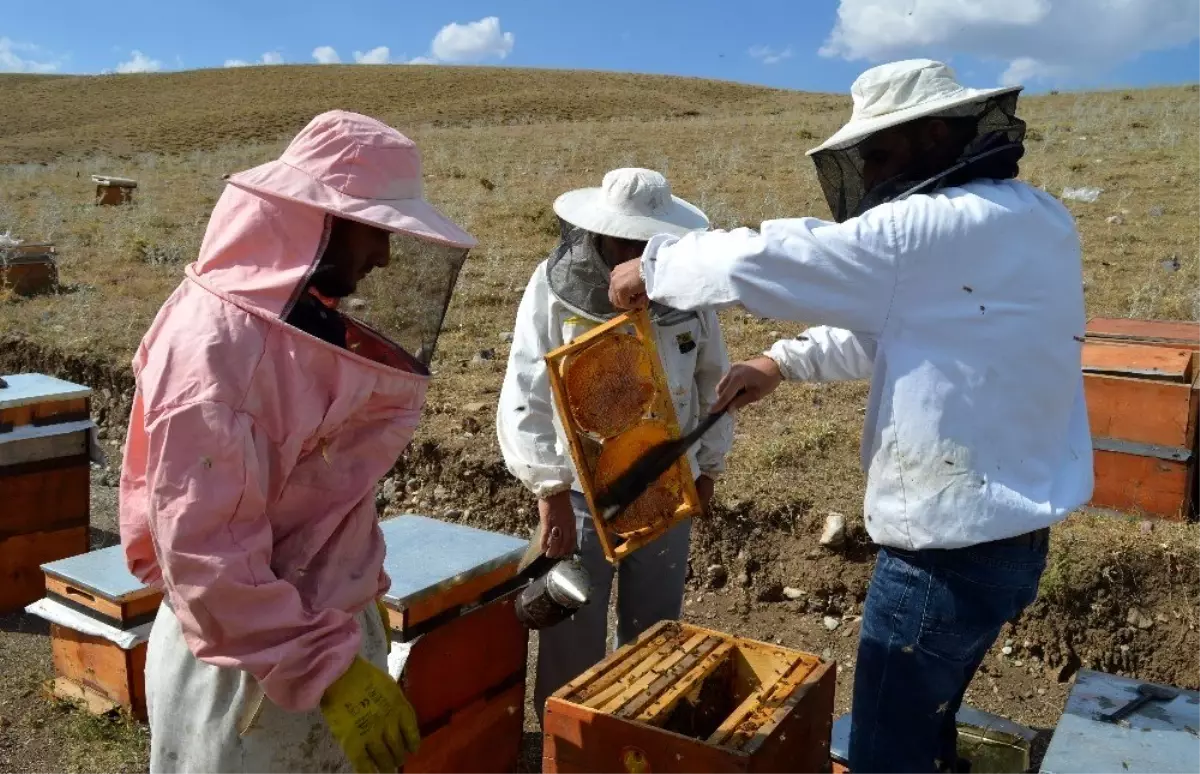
(899, 92)
(630, 204)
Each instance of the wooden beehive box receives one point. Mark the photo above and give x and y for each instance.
(28, 269)
(587, 447)
(1143, 400)
(113, 190)
(44, 480)
(100, 618)
(682, 698)
(1175, 334)
(451, 611)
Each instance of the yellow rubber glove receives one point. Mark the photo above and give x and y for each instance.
(387, 627)
(371, 718)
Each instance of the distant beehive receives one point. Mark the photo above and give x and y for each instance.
(113, 190)
(28, 269)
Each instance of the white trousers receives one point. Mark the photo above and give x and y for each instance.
(205, 718)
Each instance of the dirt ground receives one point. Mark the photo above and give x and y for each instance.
(1156, 567)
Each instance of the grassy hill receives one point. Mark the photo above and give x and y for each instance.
(499, 145)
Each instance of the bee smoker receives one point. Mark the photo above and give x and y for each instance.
(560, 588)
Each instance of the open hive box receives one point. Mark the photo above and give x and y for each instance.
(682, 698)
(613, 400)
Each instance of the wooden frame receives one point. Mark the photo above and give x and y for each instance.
(616, 716)
(615, 547)
(1154, 333)
(98, 673)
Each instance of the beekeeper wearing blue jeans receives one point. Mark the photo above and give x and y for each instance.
(567, 295)
(958, 292)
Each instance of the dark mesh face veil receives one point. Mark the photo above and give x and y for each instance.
(992, 153)
(579, 276)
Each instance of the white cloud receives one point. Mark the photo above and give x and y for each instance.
(422, 60)
(1039, 39)
(377, 55)
(326, 55)
(17, 58)
(472, 42)
(139, 63)
(768, 55)
(269, 58)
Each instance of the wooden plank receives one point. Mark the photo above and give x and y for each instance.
(51, 498)
(751, 703)
(485, 736)
(447, 669)
(464, 593)
(96, 663)
(1139, 410)
(611, 699)
(597, 742)
(1138, 361)
(664, 675)
(779, 701)
(82, 596)
(611, 669)
(1170, 333)
(21, 558)
(1143, 485)
(799, 740)
(92, 701)
(30, 412)
(680, 682)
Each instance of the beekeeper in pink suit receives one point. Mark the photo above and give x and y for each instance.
(263, 419)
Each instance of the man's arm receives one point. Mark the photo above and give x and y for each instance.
(207, 474)
(824, 354)
(838, 274)
(525, 416)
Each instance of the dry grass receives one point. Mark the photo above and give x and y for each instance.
(532, 135)
(736, 151)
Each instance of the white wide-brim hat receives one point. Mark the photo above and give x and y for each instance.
(899, 92)
(630, 204)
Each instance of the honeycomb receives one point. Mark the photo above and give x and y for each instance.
(609, 385)
(660, 501)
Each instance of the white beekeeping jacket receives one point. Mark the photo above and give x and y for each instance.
(965, 309)
(531, 439)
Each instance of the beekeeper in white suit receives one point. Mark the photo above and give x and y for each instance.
(568, 295)
(957, 290)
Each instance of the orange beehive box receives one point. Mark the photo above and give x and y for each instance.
(1178, 334)
(613, 400)
(100, 622)
(28, 269)
(451, 614)
(45, 431)
(682, 698)
(1142, 401)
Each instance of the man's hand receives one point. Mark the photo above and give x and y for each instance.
(626, 288)
(557, 525)
(704, 488)
(755, 378)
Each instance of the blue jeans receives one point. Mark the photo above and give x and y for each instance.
(929, 620)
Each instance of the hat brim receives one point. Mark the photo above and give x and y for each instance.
(415, 217)
(585, 209)
(856, 130)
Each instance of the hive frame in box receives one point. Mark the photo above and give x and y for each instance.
(778, 716)
(663, 409)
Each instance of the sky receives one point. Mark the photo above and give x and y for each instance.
(818, 45)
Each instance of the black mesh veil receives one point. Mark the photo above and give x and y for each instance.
(998, 131)
(407, 300)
